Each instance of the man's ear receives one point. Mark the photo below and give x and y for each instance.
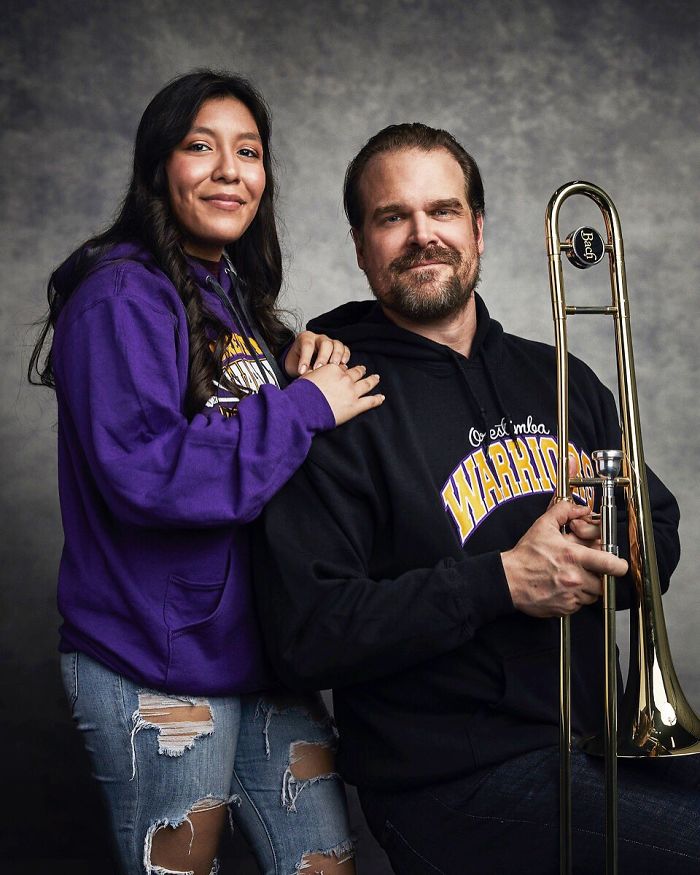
(358, 241)
(480, 234)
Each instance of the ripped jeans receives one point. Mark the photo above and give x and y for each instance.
(166, 761)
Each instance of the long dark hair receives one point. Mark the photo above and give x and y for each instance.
(145, 217)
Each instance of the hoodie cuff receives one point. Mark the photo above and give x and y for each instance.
(484, 595)
(309, 399)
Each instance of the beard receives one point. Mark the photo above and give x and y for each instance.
(419, 296)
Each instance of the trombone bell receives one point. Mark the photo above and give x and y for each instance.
(655, 718)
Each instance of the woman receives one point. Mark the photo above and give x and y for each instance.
(173, 433)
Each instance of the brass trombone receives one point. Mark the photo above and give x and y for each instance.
(655, 717)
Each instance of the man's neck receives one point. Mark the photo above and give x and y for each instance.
(456, 331)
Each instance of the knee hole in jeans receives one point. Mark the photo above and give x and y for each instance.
(190, 845)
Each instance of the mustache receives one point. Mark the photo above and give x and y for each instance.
(442, 254)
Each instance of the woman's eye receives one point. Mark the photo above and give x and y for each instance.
(198, 147)
(248, 152)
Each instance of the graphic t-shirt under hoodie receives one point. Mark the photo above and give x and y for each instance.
(154, 580)
(379, 571)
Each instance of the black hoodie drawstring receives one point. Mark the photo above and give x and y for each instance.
(476, 402)
(497, 395)
(471, 395)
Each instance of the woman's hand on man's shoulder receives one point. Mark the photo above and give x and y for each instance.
(311, 351)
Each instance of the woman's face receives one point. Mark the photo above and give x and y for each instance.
(216, 177)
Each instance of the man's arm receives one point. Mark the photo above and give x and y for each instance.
(328, 623)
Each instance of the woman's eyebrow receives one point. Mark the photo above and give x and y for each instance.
(246, 135)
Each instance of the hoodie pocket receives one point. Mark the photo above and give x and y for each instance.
(213, 640)
(189, 603)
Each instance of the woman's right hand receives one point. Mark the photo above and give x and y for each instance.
(345, 389)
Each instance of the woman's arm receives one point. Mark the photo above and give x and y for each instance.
(120, 384)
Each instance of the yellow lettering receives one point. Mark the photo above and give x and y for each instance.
(550, 450)
(506, 477)
(462, 497)
(540, 464)
(526, 474)
(491, 489)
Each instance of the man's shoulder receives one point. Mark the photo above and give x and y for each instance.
(537, 348)
(546, 353)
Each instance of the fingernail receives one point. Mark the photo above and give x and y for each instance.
(303, 369)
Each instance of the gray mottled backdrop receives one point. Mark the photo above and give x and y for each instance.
(540, 92)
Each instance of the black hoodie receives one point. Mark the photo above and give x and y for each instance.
(379, 570)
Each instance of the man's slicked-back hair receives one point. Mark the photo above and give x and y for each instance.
(413, 135)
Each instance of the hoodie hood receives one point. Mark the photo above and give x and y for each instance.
(364, 327)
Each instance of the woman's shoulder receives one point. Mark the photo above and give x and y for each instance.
(124, 274)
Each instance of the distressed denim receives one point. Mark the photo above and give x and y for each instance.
(505, 820)
(152, 775)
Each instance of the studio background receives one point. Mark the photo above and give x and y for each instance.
(539, 92)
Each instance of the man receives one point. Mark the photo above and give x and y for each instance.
(417, 565)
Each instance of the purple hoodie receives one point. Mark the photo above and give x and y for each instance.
(154, 580)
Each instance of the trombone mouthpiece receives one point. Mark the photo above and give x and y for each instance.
(608, 462)
(587, 247)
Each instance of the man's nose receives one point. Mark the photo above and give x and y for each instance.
(422, 232)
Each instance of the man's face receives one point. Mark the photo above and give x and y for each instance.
(418, 244)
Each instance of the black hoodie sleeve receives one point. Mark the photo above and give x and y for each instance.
(326, 622)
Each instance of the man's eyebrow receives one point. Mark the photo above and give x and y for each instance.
(450, 203)
(387, 209)
(246, 135)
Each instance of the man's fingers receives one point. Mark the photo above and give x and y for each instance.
(585, 528)
(600, 562)
(591, 587)
(593, 542)
(562, 512)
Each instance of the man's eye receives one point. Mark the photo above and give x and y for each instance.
(391, 220)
